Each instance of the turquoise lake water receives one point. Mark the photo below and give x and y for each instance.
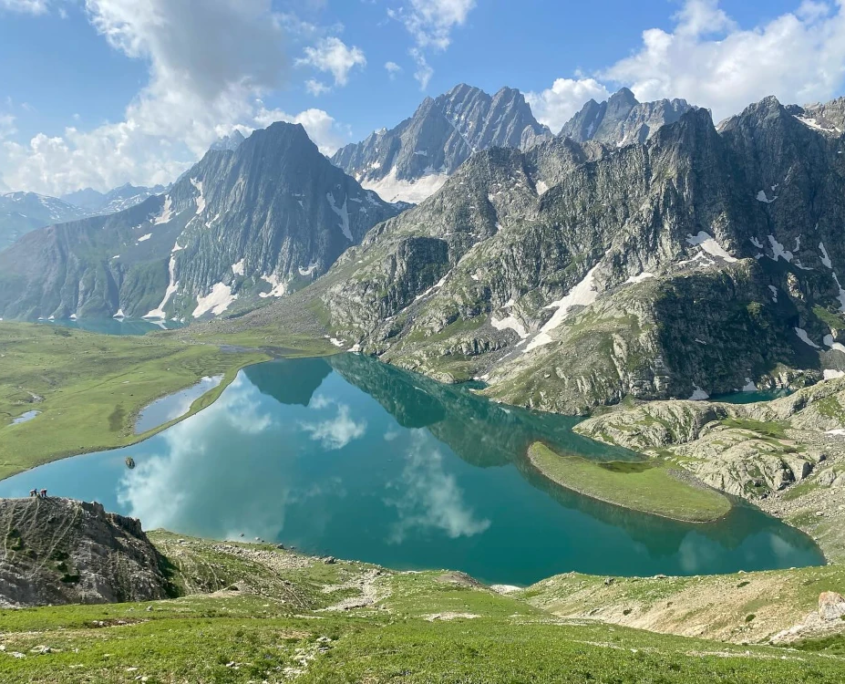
(360, 460)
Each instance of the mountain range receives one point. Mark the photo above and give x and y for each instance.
(644, 252)
(412, 161)
(250, 221)
(573, 275)
(21, 212)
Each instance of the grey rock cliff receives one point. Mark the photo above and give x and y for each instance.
(622, 119)
(442, 135)
(58, 551)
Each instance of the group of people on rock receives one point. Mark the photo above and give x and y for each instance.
(39, 494)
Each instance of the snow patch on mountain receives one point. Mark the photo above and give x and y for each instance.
(709, 245)
(583, 294)
(216, 301)
(391, 189)
(167, 212)
(343, 213)
(172, 287)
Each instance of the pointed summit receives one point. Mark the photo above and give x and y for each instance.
(622, 119)
(414, 159)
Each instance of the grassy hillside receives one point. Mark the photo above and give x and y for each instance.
(646, 486)
(88, 389)
(274, 616)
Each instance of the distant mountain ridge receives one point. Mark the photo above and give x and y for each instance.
(622, 119)
(21, 212)
(110, 202)
(412, 161)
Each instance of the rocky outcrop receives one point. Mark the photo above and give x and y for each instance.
(411, 161)
(249, 222)
(749, 450)
(58, 551)
(622, 119)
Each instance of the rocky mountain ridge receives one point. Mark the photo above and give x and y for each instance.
(412, 161)
(563, 276)
(246, 224)
(622, 119)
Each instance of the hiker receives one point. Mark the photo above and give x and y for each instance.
(33, 492)
(43, 493)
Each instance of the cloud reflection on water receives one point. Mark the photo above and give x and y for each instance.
(185, 474)
(429, 498)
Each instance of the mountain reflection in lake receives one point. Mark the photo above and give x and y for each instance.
(358, 459)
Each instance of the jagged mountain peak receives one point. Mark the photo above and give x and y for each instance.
(622, 119)
(241, 226)
(228, 143)
(413, 160)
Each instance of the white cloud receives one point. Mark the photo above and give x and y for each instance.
(707, 59)
(332, 55)
(25, 6)
(556, 105)
(431, 23)
(336, 433)
(194, 95)
(326, 133)
(316, 88)
(7, 126)
(424, 71)
(393, 69)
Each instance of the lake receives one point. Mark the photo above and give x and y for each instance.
(354, 458)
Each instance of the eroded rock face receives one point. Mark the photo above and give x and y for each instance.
(412, 160)
(59, 551)
(745, 450)
(831, 606)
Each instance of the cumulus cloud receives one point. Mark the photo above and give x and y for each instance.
(709, 60)
(210, 61)
(430, 23)
(556, 105)
(331, 55)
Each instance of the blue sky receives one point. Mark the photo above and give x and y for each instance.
(101, 92)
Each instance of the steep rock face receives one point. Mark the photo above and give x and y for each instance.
(243, 224)
(59, 551)
(567, 276)
(21, 212)
(413, 160)
(623, 120)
